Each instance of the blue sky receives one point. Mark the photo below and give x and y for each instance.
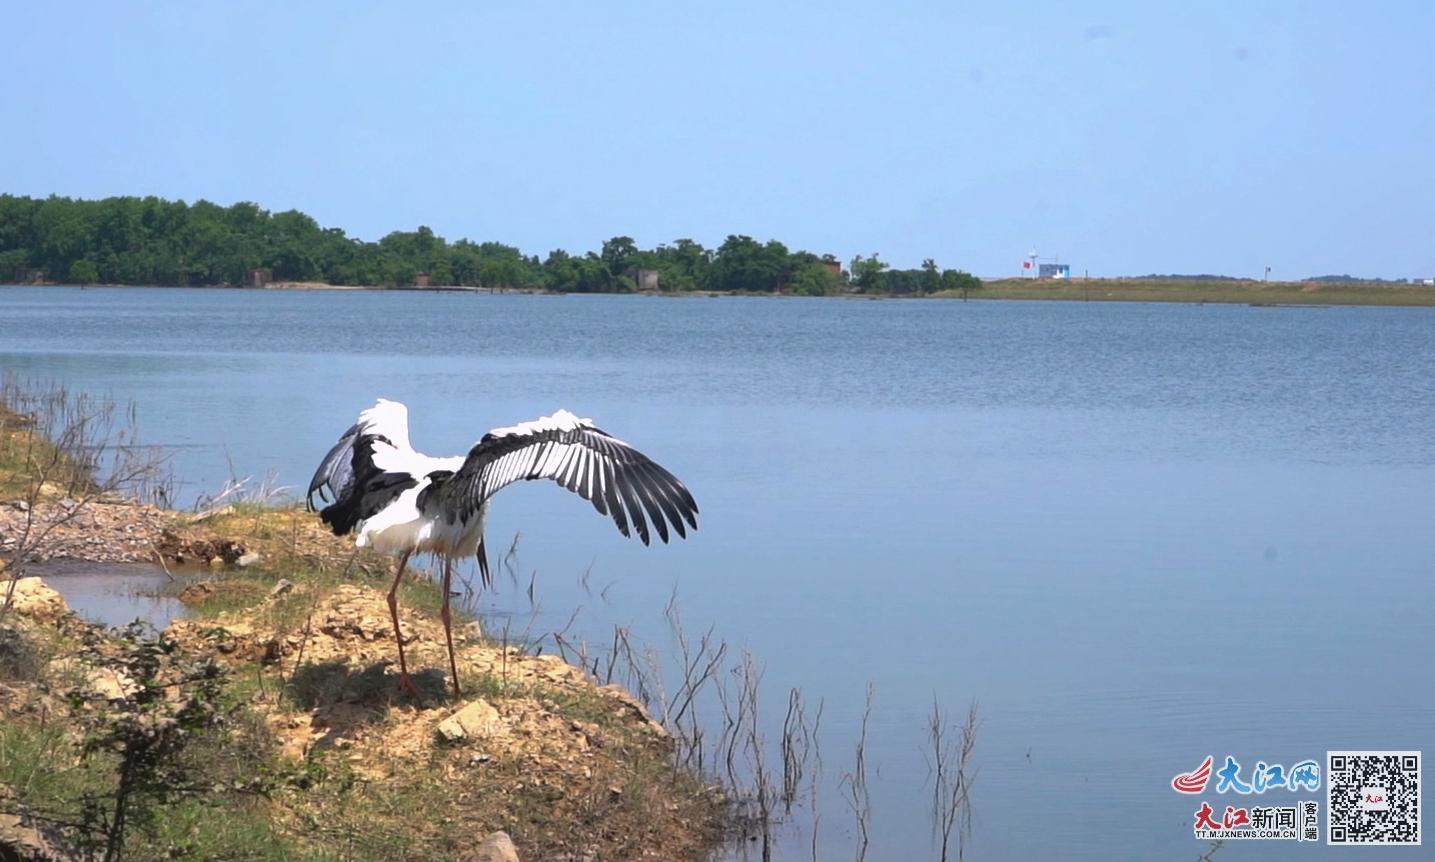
(1124, 138)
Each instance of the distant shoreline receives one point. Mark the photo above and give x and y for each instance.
(1192, 291)
(1197, 291)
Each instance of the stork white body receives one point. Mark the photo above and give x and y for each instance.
(400, 527)
(400, 501)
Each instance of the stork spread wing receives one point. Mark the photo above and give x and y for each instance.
(387, 422)
(617, 479)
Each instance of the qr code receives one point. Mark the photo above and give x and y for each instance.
(1373, 797)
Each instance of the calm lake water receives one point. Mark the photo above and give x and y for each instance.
(1135, 534)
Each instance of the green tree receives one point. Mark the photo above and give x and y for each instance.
(12, 261)
(681, 266)
(815, 279)
(903, 282)
(867, 273)
(587, 274)
(84, 271)
(505, 266)
(744, 264)
(931, 276)
(956, 279)
(618, 253)
(464, 261)
(148, 240)
(17, 224)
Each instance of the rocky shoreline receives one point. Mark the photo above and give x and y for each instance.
(537, 756)
(111, 531)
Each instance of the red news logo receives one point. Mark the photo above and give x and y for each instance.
(1234, 818)
(1194, 781)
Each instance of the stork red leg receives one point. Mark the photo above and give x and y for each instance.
(404, 681)
(448, 625)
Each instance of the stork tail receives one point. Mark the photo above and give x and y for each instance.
(485, 575)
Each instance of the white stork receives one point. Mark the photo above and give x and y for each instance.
(401, 501)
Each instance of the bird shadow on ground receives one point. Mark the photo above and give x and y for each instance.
(344, 698)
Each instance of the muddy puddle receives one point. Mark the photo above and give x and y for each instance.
(116, 594)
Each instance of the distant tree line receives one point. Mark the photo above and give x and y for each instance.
(1205, 276)
(1318, 279)
(1355, 279)
(130, 240)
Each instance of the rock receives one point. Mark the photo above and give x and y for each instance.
(210, 513)
(20, 505)
(625, 699)
(497, 847)
(472, 631)
(284, 586)
(22, 842)
(477, 720)
(196, 593)
(110, 684)
(19, 662)
(216, 562)
(248, 559)
(36, 600)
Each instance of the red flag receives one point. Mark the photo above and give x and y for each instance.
(1026, 264)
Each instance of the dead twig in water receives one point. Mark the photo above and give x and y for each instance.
(951, 787)
(859, 798)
